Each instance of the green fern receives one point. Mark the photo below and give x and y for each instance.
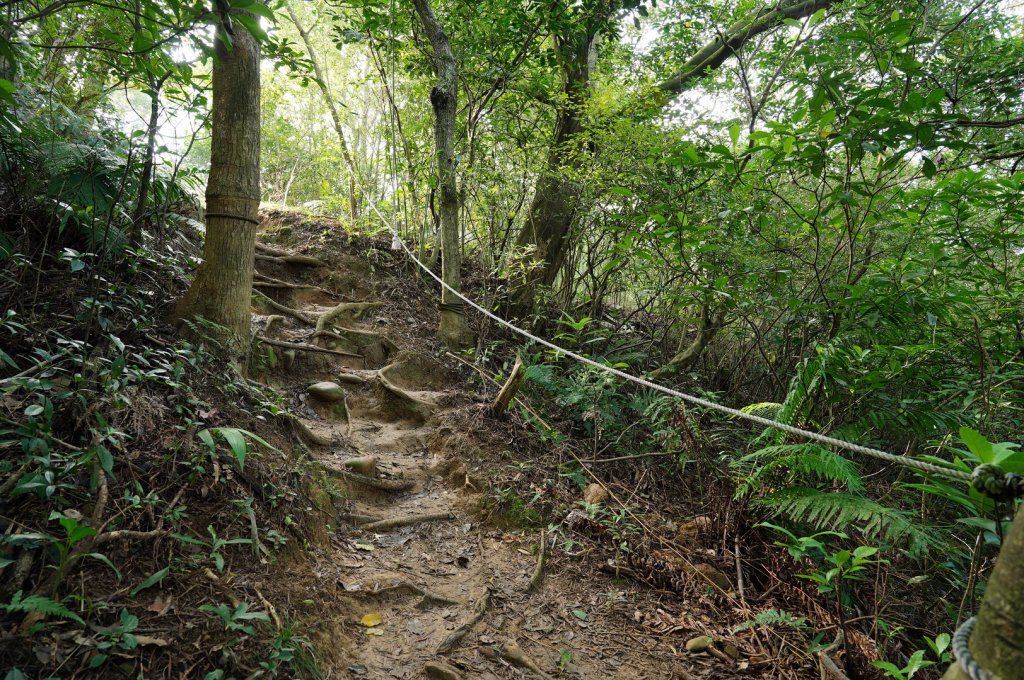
(42, 605)
(841, 511)
(772, 618)
(800, 461)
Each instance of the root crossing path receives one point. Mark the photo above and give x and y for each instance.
(414, 585)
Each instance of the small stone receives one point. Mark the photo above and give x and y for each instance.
(437, 670)
(709, 573)
(327, 391)
(701, 643)
(351, 379)
(595, 493)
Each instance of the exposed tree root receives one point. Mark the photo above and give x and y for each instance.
(452, 641)
(356, 518)
(396, 522)
(393, 485)
(515, 655)
(427, 598)
(417, 407)
(302, 431)
(828, 668)
(303, 347)
(301, 316)
(352, 309)
(538, 571)
(301, 260)
(272, 321)
(374, 346)
(279, 283)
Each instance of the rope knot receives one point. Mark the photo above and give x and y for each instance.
(992, 481)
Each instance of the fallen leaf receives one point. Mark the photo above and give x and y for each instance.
(580, 614)
(375, 631)
(371, 620)
(155, 641)
(368, 547)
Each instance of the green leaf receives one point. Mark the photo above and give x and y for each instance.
(100, 557)
(580, 614)
(207, 438)
(978, 445)
(236, 441)
(33, 410)
(43, 605)
(734, 134)
(151, 581)
(817, 17)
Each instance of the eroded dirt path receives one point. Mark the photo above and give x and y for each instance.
(443, 596)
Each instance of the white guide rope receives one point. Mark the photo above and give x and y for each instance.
(698, 401)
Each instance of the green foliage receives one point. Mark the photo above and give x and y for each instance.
(40, 605)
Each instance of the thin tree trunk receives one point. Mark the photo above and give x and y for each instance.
(689, 352)
(997, 643)
(222, 289)
(556, 199)
(353, 194)
(453, 329)
(155, 85)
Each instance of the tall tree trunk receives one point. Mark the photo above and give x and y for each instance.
(556, 197)
(353, 194)
(997, 643)
(556, 200)
(222, 289)
(453, 329)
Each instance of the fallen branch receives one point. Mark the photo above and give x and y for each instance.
(450, 642)
(301, 346)
(396, 522)
(119, 534)
(538, 571)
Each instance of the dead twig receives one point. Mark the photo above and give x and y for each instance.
(538, 570)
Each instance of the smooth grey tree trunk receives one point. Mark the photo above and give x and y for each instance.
(453, 329)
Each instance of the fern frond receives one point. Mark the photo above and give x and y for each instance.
(764, 409)
(772, 617)
(801, 461)
(840, 511)
(42, 605)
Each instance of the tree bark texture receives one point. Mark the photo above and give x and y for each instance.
(453, 329)
(997, 643)
(222, 289)
(556, 197)
(353, 193)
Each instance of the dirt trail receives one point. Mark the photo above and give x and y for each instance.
(452, 596)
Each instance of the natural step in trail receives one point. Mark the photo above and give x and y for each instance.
(415, 585)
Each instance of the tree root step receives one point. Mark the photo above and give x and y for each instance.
(393, 485)
(396, 522)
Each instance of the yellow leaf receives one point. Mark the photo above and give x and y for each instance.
(371, 620)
